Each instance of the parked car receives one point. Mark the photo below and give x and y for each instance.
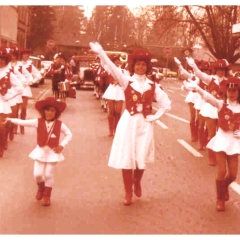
(36, 61)
(169, 73)
(45, 67)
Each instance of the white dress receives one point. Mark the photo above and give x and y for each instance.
(224, 140)
(45, 154)
(133, 143)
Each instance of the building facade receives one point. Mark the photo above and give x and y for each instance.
(14, 25)
(8, 25)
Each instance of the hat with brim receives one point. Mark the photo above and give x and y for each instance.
(50, 101)
(230, 83)
(140, 54)
(25, 51)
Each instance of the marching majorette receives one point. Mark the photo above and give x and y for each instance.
(48, 151)
(114, 95)
(220, 70)
(225, 143)
(25, 78)
(133, 143)
(190, 99)
(36, 76)
(10, 87)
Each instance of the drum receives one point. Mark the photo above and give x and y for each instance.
(63, 86)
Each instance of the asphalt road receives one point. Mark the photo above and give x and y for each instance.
(178, 189)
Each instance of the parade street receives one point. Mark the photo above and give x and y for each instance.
(178, 189)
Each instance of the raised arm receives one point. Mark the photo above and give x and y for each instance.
(183, 72)
(192, 85)
(109, 66)
(202, 75)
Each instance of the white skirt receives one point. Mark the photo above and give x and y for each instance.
(224, 141)
(45, 155)
(199, 102)
(208, 110)
(133, 143)
(114, 92)
(5, 107)
(191, 97)
(27, 92)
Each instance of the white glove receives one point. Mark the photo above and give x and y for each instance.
(177, 61)
(190, 62)
(96, 47)
(7, 120)
(236, 134)
(150, 118)
(190, 85)
(154, 117)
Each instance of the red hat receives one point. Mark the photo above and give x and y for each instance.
(140, 54)
(230, 83)
(221, 64)
(4, 53)
(204, 65)
(50, 101)
(25, 50)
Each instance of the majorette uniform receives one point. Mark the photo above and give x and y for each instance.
(10, 86)
(25, 77)
(36, 75)
(17, 70)
(43, 151)
(191, 96)
(129, 150)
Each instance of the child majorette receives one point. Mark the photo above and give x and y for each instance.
(225, 143)
(48, 151)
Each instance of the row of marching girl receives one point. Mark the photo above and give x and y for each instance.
(133, 143)
(198, 126)
(225, 143)
(220, 71)
(27, 75)
(10, 87)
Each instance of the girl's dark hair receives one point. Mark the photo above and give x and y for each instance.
(225, 96)
(131, 65)
(42, 112)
